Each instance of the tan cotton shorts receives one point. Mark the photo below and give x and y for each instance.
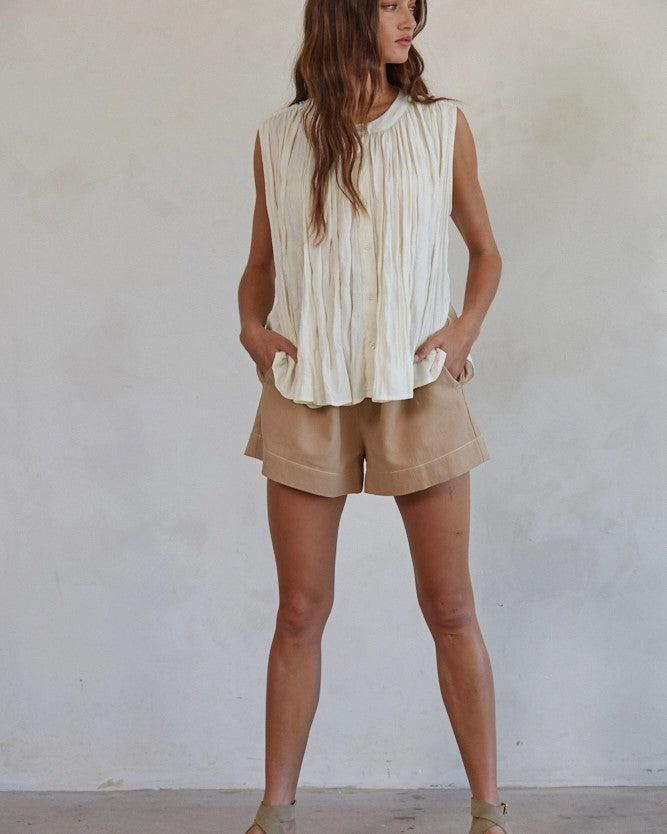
(405, 445)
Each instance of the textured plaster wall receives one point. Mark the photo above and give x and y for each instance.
(137, 593)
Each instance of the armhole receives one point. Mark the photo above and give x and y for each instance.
(451, 134)
(270, 128)
(262, 154)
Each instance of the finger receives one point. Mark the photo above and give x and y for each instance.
(288, 348)
(423, 350)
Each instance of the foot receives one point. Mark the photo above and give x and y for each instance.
(288, 828)
(485, 813)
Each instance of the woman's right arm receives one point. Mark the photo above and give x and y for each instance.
(256, 288)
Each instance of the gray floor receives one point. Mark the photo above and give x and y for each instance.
(332, 811)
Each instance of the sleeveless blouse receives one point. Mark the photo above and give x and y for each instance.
(359, 304)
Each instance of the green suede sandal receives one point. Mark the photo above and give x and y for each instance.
(270, 817)
(489, 815)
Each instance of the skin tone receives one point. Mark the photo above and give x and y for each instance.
(304, 527)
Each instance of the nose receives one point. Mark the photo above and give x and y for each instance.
(408, 22)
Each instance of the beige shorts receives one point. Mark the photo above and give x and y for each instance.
(405, 445)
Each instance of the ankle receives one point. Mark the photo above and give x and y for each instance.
(275, 819)
(491, 798)
(491, 817)
(278, 800)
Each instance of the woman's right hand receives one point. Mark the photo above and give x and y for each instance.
(263, 344)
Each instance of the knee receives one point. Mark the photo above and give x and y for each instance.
(303, 614)
(448, 612)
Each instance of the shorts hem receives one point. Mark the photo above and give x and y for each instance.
(306, 478)
(432, 472)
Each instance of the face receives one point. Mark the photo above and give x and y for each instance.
(396, 21)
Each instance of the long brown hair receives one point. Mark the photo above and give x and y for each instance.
(339, 52)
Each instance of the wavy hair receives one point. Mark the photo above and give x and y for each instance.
(339, 53)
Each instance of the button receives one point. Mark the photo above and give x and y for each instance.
(372, 345)
(367, 246)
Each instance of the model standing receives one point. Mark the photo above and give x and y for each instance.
(345, 310)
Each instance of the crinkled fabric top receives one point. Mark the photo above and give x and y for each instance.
(359, 304)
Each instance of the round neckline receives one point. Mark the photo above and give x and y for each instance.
(386, 119)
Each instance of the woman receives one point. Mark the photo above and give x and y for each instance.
(345, 310)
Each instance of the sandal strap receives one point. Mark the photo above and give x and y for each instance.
(270, 817)
(486, 812)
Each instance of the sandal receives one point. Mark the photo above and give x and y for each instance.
(488, 816)
(270, 817)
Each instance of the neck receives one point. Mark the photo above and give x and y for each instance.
(386, 91)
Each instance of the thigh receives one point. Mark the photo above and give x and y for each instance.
(437, 524)
(304, 534)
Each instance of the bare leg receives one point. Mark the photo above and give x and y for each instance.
(437, 523)
(304, 532)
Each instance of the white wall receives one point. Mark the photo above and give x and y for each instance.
(138, 589)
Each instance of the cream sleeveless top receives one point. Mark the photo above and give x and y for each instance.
(359, 304)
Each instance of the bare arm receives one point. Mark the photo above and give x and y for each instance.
(256, 288)
(471, 218)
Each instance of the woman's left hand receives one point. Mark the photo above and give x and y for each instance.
(455, 339)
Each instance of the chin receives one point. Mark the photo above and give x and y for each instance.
(402, 56)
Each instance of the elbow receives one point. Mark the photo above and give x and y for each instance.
(488, 254)
(496, 258)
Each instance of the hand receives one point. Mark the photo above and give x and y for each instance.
(263, 344)
(455, 339)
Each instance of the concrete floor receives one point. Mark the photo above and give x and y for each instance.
(332, 811)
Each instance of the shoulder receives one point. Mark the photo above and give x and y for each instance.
(441, 112)
(451, 116)
(437, 103)
(281, 116)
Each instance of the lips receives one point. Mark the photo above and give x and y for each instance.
(406, 41)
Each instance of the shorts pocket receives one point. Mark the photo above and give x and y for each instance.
(278, 357)
(466, 374)
(263, 377)
(468, 371)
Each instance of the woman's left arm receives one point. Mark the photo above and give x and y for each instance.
(484, 265)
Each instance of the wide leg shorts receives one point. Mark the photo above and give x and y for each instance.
(403, 445)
